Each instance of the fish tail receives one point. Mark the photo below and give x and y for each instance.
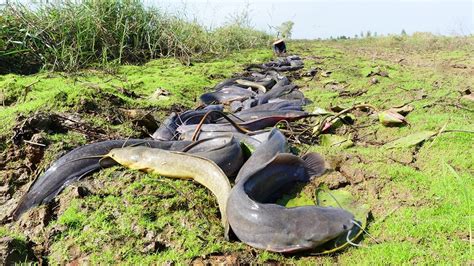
(21, 207)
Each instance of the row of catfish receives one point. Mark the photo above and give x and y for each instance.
(207, 145)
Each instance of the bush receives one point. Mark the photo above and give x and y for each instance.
(69, 36)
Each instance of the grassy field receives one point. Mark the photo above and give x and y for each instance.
(420, 198)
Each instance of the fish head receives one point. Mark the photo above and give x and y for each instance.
(322, 225)
(125, 156)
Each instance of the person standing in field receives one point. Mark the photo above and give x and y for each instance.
(279, 47)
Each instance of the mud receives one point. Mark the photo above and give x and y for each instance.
(13, 251)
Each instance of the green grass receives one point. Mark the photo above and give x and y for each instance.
(140, 209)
(421, 205)
(68, 36)
(69, 93)
(432, 221)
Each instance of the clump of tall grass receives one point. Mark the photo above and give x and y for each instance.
(415, 43)
(69, 36)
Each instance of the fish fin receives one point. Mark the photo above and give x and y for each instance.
(107, 162)
(314, 164)
(226, 231)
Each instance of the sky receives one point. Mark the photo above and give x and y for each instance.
(326, 18)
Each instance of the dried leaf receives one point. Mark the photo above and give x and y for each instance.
(374, 81)
(389, 118)
(338, 108)
(403, 110)
(410, 140)
(320, 111)
(469, 97)
(332, 125)
(338, 122)
(326, 73)
(160, 94)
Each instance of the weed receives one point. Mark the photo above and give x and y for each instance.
(67, 36)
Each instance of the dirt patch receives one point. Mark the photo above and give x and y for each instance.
(231, 259)
(52, 123)
(13, 251)
(141, 119)
(33, 223)
(27, 126)
(341, 172)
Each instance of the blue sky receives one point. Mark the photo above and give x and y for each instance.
(325, 18)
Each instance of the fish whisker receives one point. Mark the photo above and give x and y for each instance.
(350, 241)
(363, 230)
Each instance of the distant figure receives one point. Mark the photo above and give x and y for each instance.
(279, 47)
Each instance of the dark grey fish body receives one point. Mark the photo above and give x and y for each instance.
(281, 114)
(195, 116)
(276, 89)
(293, 57)
(258, 87)
(288, 68)
(289, 63)
(288, 105)
(268, 74)
(267, 82)
(76, 164)
(235, 106)
(189, 129)
(71, 167)
(167, 129)
(229, 82)
(276, 143)
(291, 96)
(227, 95)
(249, 103)
(276, 92)
(227, 153)
(296, 105)
(305, 101)
(256, 121)
(258, 222)
(253, 140)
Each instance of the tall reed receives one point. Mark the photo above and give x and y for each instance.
(69, 36)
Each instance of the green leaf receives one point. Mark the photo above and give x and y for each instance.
(342, 199)
(410, 140)
(291, 200)
(247, 149)
(329, 140)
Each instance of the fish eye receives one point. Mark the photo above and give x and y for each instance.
(344, 227)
